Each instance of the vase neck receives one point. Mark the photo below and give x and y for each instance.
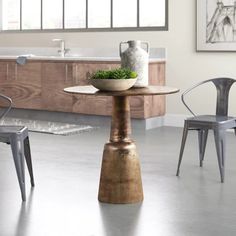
(134, 43)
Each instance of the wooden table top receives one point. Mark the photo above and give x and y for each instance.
(150, 90)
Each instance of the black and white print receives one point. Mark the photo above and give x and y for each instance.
(221, 21)
(216, 25)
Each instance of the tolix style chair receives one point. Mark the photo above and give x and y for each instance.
(17, 137)
(219, 123)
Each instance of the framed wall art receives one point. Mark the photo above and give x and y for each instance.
(216, 25)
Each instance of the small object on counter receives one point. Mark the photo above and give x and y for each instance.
(21, 60)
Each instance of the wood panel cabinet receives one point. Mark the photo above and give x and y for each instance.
(22, 84)
(39, 85)
(55, 77)
(155, 105)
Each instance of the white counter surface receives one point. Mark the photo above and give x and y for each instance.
(72, 58)
(75, 54)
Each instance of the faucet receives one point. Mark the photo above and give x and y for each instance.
(62, 51)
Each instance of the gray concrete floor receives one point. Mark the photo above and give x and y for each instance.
(64, 200)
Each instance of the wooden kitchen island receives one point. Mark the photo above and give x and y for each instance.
(39, 84)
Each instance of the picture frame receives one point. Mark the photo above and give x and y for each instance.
(215, 25)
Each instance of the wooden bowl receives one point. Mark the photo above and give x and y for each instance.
(113, 84)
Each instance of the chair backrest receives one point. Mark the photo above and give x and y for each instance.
(7, 108)
(223, 86)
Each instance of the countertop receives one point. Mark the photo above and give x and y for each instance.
(73, 58)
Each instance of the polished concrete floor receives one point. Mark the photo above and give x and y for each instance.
(64, 200)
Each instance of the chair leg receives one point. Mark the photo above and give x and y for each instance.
(28, 159)
(202, 139)
(220, 149)
(18, 156)
(184, 137)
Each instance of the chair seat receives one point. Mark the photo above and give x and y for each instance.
(11, 129)
(210, 121)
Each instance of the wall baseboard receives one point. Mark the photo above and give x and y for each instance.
(174, 120)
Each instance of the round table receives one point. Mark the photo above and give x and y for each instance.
(120, 180)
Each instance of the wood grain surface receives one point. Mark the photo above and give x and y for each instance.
(22, 84)
(55, 76)
(147, 91)
(39, 85)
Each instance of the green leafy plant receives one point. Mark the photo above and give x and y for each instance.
(120, 73)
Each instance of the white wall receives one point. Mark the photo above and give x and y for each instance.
(185, 66)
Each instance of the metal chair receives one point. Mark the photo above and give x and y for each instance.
(17, 137)
(219, 123)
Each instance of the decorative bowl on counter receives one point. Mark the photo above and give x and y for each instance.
(113, 80)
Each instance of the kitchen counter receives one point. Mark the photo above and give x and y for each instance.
(38, 83)
(73, 58)
(74, 54)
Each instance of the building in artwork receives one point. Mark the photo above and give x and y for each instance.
(222, 24)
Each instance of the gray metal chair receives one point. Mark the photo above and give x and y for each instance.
(17, 137)
(219, 123)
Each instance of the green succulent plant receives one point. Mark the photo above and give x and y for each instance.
(120, 73)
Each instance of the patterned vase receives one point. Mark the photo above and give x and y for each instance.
(136, 59)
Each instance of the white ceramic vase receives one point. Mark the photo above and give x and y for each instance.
(136, 59)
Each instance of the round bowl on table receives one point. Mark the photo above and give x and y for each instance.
(113, 84)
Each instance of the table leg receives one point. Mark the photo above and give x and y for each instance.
(120, 180)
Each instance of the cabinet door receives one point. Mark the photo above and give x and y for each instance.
(3, 72)
(25, 85)
(3, 78)
(55, 77)
(155, 105)
(22, 83)
(86, 104)
(8, 70)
